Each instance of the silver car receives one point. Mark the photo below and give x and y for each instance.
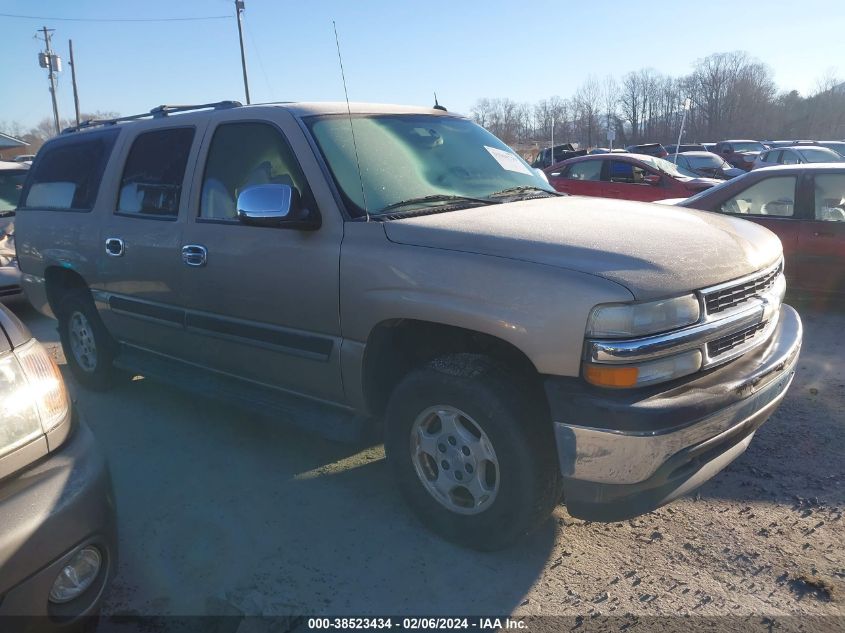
(12, 175)
(797, 155)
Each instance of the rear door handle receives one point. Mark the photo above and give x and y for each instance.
(194, 255)
(115, 247)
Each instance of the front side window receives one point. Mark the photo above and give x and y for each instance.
(772, 197)
(419, 162)
(154, 172)
(243, 155)
(585, 170)
(830, 198)
(68, 171)
(623, 172)
(789, 157)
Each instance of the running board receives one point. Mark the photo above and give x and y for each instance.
(329, 421)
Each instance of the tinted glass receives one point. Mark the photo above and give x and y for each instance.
(154, 172)
(68, 171)
(706, 162)
(772, 197)
(242, 155)
(750, 146)
(620, 171)
(830, 198)
(11, 186)
(586, 170)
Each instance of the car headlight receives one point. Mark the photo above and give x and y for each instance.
(620, 320)
(33, 398)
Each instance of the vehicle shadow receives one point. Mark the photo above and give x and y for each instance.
(222, 510)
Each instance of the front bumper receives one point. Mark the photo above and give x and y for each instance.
(48, 512)
(624, 453)
(11, 291)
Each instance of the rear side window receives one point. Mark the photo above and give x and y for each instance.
(154, 172)
(772, 196)
(586, 170)
(67, 173)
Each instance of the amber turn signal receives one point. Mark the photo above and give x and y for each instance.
(610, 376)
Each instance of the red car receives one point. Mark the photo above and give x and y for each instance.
(625, 176)
(804, 205)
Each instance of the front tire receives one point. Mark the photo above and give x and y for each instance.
(472, 451)
(87, 345)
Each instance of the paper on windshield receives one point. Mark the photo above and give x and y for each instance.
(507, 160)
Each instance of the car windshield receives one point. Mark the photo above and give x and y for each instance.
(750, 146)
(820, 155)
(667, 167)
(11, 185)
(420, 161)
(705, 162)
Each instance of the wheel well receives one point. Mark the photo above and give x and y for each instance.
(59, 281)
(396, 347)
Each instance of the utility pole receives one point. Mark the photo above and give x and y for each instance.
(53, 65)
(73, 81)
(239, 9)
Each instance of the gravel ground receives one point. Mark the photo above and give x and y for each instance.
(222, 511)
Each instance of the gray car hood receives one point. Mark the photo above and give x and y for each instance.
(653, 250)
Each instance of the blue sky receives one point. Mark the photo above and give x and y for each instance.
(396, 51)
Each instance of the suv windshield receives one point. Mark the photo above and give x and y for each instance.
(420, 161)
(748, 147)
(11, 185)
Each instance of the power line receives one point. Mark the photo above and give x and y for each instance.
(37, 17)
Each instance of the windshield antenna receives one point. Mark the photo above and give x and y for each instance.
(351, 127)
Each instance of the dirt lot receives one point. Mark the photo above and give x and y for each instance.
(221, 511)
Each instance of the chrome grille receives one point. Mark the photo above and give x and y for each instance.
(727, 343)
(731, 296)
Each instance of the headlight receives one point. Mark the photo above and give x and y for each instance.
(33, 399)
(638, 319)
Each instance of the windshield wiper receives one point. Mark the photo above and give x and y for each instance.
(437, 197)
(513, 191)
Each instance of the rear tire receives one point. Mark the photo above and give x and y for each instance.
(472, 451)
(88, 347)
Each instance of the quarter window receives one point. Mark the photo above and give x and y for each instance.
(67, 173)
(771, 197)
(243, 155)
(154, 172)
(830, 198)
(585, 170)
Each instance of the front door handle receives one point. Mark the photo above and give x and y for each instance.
(115, 247)
(194, 255)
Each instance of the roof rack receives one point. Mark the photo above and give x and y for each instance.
(155, 113)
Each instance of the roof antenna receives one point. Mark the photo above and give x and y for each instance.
(437, 106)
(351, 127)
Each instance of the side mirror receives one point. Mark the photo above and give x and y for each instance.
(275, 205)
(652, 179)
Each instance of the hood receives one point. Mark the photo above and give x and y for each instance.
(700, 183)
(653, 250)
